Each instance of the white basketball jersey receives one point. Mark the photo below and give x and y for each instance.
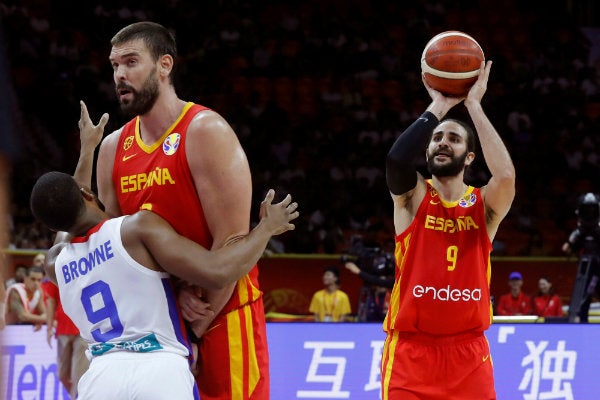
(117, 304)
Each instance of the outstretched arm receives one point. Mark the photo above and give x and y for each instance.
(369, 278)
(401, 160)
(500, 190)
(406, 185)
(90, 136)
(50, 326)
(190, 261)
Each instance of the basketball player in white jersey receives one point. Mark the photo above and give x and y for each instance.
(113, 278)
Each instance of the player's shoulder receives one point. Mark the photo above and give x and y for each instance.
(112, 138)
(54, 251)
(209, 121)
(143, 221)
(210, 130)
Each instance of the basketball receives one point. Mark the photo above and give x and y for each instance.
(450, 63)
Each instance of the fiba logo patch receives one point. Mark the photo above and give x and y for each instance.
(468, 202)
(171, 144)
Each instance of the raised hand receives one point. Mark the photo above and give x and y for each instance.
(277, 216)
(90, 134)
(480, 87)
(440, 104)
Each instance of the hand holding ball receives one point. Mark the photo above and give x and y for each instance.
(450, 63)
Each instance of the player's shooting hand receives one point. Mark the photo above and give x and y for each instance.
(277, 216)
(90, 134)
(440, 104)
(480, 86)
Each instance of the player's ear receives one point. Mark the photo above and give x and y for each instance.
(470, 158)
(165, 64)
(87, 193)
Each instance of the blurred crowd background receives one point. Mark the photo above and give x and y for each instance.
(317, 92)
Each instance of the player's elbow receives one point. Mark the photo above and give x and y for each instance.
(400, 177)
(506, 180)
(506, 176)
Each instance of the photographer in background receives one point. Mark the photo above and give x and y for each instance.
(374, 298)
(376, 269)
(585, 242)
(382, 281)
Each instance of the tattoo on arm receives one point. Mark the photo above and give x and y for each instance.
(16, 305)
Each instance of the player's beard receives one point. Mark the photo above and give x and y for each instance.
(453, 168)
(142, 100)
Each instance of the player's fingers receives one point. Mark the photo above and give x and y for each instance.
(84, 115)
(286, 201)
(190, 314)
(84, 110)
(292, 207)
(484, 70)
(103, 121)
(269, 197)
(186, 315)
(488, 68)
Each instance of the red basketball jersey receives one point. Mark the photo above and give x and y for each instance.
(443, 268)
(64, 324)
(157, 177)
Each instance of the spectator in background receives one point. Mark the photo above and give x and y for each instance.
(330, 304)
(39, 260)
(516, 302)
(546, 303)
(25, 301)
(19, 276)
(21, 269)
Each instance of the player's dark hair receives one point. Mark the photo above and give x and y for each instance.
(159, 39)
(34, 269)
(56, 201)
(471, 144)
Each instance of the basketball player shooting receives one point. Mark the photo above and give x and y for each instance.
(440, 304)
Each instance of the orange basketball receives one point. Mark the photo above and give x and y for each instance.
(450, 62)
